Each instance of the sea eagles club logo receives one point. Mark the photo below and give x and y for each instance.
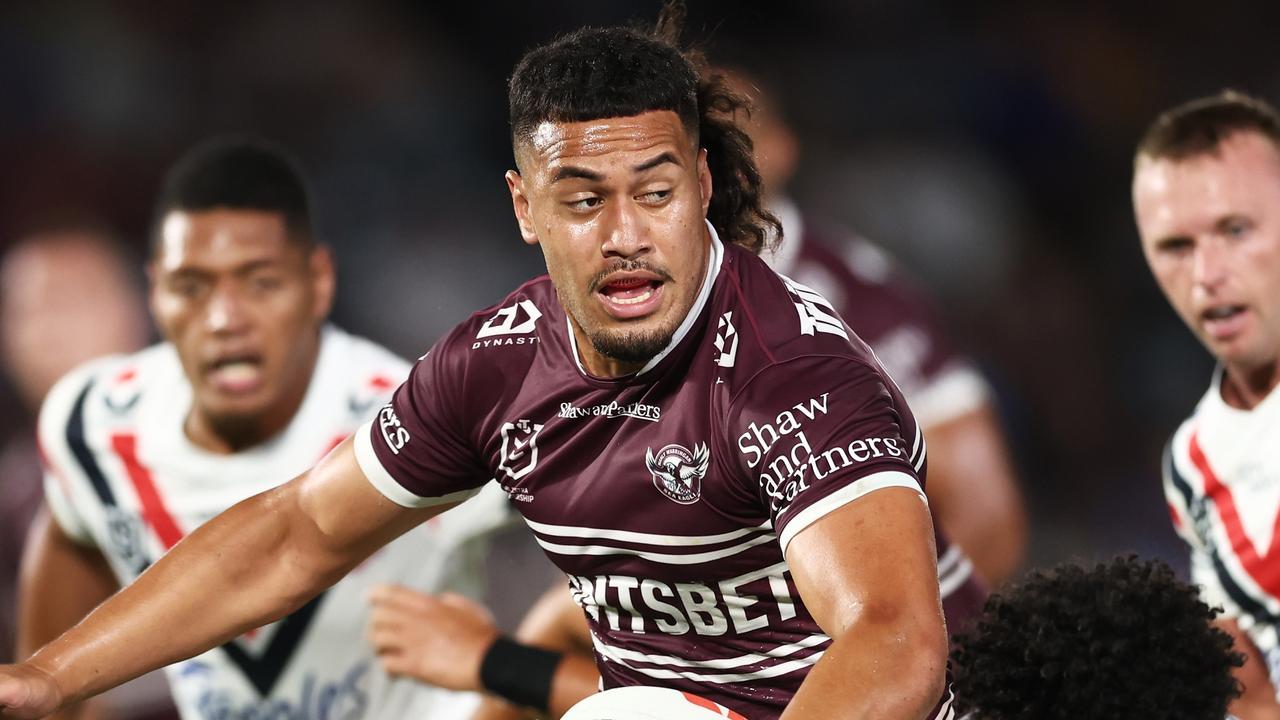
(678, 473)
(519, 448)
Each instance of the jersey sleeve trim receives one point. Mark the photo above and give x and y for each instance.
(957, 391)
(844, 496)
(382, 480)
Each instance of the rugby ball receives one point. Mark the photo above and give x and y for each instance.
(648, 703)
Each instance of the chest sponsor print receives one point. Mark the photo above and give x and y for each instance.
(637, 410)
(677, 472)
(786, 472)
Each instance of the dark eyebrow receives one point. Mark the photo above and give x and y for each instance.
(1227, 221)
(665, 157)
(564, 172)
(1170, 242)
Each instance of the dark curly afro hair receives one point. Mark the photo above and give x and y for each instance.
(1124, 641)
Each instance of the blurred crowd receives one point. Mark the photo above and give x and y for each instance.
(987, 147)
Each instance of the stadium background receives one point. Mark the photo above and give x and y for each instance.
(988, 147)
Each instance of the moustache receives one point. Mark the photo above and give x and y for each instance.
(627, 266)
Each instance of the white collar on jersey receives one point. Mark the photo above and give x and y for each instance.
(713, 271)
(783, 257)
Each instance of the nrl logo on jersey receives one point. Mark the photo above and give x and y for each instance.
(518, 319)
(678, 473)
(726, 341)
(519, 448)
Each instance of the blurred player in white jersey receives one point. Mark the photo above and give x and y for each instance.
(1206, 194)
(251, 387)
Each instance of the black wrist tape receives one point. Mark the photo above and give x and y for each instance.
(519, 673)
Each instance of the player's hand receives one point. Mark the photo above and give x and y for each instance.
(27, 692)
(437, 639)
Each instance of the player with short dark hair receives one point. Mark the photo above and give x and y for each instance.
(732, 484)
(1206, 195)
(1123, 640)
(245, 173)
(251, 386)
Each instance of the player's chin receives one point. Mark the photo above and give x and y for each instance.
(235, 408)
(632, 343)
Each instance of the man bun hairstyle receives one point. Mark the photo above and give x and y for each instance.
(596, 73)
(238, 173)
(1198, 127)
(1124, 640)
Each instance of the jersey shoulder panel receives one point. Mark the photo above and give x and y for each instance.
(505, 336)
(357, 372)
(72, 414)
(424, 445)
(778, 318)
(113, 380)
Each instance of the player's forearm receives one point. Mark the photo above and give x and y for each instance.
(576, 678)
(60, 583)
(241, 570)
(886, 671)
(973, 488)
(996, 548)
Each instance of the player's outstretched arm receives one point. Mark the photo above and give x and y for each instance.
(1257, 700)
(868, 574)
(974, 491)
(253, 564)
(61, 582)
(445, 640)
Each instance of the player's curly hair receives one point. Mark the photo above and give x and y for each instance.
(595, 73)
(1122, 641)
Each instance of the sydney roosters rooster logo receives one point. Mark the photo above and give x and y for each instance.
(678, 473)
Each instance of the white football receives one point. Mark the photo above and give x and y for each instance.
(648, 703)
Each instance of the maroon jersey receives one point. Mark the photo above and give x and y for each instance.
(668, 497)
(874, 297)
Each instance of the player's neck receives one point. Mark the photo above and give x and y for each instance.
(1244, 388)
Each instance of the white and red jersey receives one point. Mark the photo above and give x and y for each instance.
(123, 477)
(668, 497)
(1222, 481)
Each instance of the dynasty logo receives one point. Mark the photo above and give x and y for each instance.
(678, 473)
(518, 319)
